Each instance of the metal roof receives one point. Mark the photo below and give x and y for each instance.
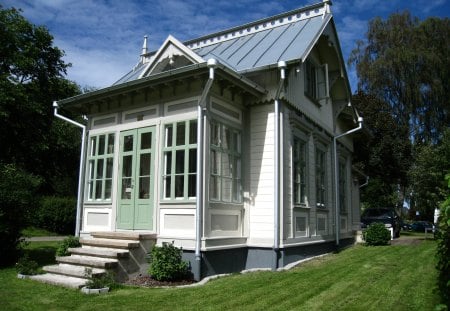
(259, 49)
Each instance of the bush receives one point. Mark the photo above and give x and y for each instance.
(26, 266)
(102, 281)
(377, 234)
(67, 243)
(17, 196)
(57, 214)
(443, 249)
(166, 263)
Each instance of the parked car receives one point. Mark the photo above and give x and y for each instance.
(387, 216)
(420, 226)
(406, 226)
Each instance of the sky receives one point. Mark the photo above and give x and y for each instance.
(102, 39)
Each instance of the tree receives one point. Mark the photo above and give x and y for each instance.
(31, 77)
(404, 62)
(382, 151)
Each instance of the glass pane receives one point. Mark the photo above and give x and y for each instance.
(98, 189)
(146, 140)
(126, 188)
(101, 144)
(193, 132)
(144, 187)
(93, 146)
(169, 135)
(145, 164)
(110, 143)
(91, 190)
(226, 189)
(215, 134)
(128, 143)
(108, 186)
(168, 162)
(237, 168)
(226, 165)
(179, 165)
(100, 168)
(226, 138)
(192, 160)
(109, 167)
(214, 188)
(237, 190)
(181, 133)
(127, 166)
(179, 186)
(91, 169)
(167, 184)
(192, 186)
(236, 142)
(215, 162)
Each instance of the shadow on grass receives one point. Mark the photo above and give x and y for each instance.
(43, 254)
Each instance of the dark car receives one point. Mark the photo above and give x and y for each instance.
(387, 216)
(420, 226)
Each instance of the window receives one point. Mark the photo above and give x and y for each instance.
(180, 160)
(100, 167)
(299, 172)
(316, 81)
(320, 178)
(225, 180)
(342, 188)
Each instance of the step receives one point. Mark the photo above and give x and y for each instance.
(122, 235)
(103, 263)
(110, 243)
(99, 252)
(60, 280)
(73, 271)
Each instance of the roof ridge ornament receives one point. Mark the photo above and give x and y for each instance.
(327, 4)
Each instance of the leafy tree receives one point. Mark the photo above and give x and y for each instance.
(382, 151)
(31, 77)
(404, 62)
(443, 248)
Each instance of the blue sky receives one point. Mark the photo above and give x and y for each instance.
(103, 38)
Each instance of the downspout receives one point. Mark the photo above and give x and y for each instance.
(81, 169)
(277, 179)
(212, 63)
(336, 175)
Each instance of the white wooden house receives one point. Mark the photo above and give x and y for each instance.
(235, 146)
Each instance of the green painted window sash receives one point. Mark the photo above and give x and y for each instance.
(299, 172)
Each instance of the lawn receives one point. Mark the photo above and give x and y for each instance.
(396, 277)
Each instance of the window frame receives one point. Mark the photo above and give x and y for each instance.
(188, 149)
(321, 177)
(234, 154)
(342, 186)
(92, 167)
(298, 164)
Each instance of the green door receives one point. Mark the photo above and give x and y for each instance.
(136, 179)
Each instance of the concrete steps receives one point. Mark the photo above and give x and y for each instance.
(122, 253)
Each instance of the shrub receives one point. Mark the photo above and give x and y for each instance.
(67, 243)
(57, 214)
(27, 266)
(166, 263)
(443, 249)
(102, 281)
(377, 234)
(17, 196)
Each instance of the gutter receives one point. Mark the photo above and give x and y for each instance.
(212, 64)
(277, 178)
(81, 169)
(336, 175)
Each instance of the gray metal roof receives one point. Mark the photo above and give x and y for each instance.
(287, 42)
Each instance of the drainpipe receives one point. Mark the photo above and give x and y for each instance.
(336, 176)
(81, 169)
(277, 180)
(212, 63)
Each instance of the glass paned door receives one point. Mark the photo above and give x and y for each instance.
(136, 179)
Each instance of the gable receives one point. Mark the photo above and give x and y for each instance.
(171, 55)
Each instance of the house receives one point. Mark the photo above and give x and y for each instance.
(235, 146)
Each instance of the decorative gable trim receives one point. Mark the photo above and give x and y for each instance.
(170, 48)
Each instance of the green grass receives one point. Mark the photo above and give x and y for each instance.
(399, 277)
(37, 232)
